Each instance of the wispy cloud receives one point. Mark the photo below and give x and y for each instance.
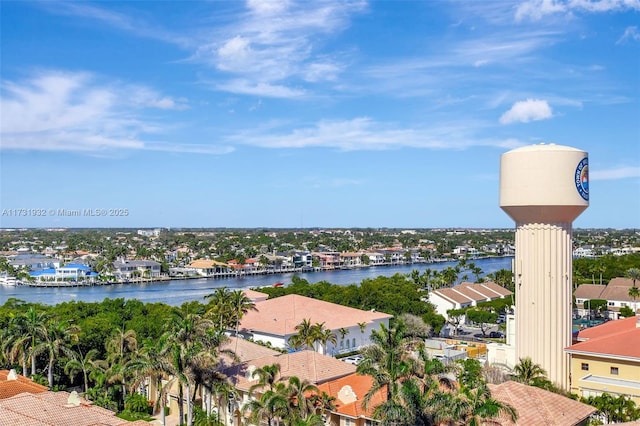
(630, 33)
(274, 42)
(624, 172)
(121, 21)
(364, 133)
(535, 10)
(76, 111)
(525, 111)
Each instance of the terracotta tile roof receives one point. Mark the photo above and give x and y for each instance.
(308, 365)
(349, 392)
(244, 350)
(51, 409)
(619, 338)
(589, 291)
(537, 406)
(205, 264)
(255, 296)
(279, 316)
(9, 388)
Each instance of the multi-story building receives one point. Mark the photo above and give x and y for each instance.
(606, 359)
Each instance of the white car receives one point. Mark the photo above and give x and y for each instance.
(353, 359)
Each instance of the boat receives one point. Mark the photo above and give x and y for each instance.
(9, 281)
(278, 284)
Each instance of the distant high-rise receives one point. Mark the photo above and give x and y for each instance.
(543, 188)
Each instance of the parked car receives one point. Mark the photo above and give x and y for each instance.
(353, 359)
(496, 335)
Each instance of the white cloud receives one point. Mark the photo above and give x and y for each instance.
(630, 33)
(535, 10)
(275, 42)
(525, 111)
(247, 87)
(76, 111)
(624, 172)
(363, 133)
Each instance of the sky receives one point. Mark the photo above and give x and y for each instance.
(288, 114)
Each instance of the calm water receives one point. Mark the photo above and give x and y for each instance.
(176, 292)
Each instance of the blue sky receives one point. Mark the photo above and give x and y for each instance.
(309, 114)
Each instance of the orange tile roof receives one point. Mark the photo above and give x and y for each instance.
(51, 409)
(619, 338)
(358, 386)
(308, 365)
(537, 406)
(9, 388)
(279, 316)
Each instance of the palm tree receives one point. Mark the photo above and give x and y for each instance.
(473, 406)
(324, 336)
(304, 337)
(634, 292)
(363, 326)
(297, 391)
(388, 363)
(153, 363)
(267, 376)
(525, 371)
(79, 363)
(33, 324)
(57, 339)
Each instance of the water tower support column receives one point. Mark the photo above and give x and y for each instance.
(543, 296)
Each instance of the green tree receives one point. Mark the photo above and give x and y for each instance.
(529, 373)
(482, 318)
(58, 338)
(81, 364)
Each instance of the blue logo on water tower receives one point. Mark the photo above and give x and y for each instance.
(582, 178)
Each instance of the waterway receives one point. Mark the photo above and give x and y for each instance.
(176, 292)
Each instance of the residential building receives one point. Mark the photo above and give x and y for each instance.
(606, 359)
(536, 406)
(207, 267)
(23, 402)
(350, 260)
(274, 321)
(69, 272)
(132, 268)
(466, 295)
(616, 293)
(34, 262)
(306, 365)
(349, 392)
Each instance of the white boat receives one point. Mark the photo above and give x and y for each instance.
(9, 281)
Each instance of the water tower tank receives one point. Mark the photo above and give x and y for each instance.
(543, 188)
(544, 183)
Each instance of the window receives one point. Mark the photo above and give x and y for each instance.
(614, 371)
(354, 342)
(585, 366)
(612, 304)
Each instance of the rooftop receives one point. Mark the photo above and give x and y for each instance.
(537, 406)
(279, 316)
(619, 338)
(308, 365)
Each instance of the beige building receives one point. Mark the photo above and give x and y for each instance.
(274, 322)
(616, 293)
(606, 359)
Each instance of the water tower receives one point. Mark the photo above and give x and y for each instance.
(543, 188)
